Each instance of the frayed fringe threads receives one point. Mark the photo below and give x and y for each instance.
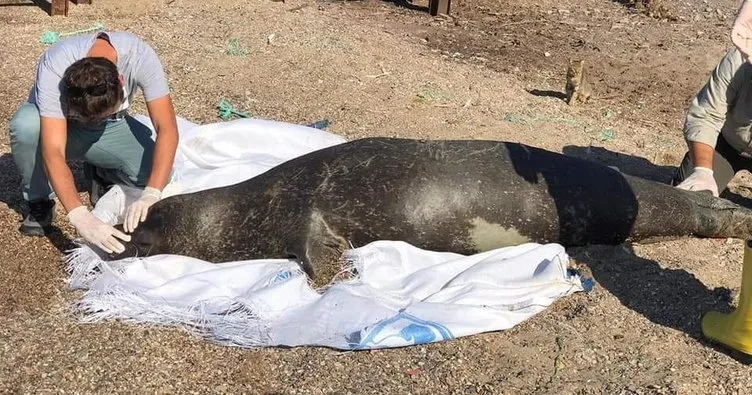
(82, 265)
(225, 321)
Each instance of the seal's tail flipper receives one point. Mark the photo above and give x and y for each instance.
(720, 218)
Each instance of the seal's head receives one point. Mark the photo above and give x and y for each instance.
(144, 242)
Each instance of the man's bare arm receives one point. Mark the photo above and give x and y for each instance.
(701, 154)
(53, 139)
(162, 114)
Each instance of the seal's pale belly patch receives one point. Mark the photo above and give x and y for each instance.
(487, 236)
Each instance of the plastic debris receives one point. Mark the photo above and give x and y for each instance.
(322, 124)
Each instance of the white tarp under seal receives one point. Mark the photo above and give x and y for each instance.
(401, 295)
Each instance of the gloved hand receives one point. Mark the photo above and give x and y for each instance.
(700, 179)
(137, 211)
(741, 31)
(95, 231)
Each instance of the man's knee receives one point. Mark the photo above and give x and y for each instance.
(25, 126)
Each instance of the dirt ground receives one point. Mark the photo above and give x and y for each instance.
(494, 69)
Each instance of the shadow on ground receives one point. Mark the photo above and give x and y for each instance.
(554, 94)
(10, 194)
(46, 6)
(672, 298)
(407, 4)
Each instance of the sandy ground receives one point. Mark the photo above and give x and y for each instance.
(493, 70)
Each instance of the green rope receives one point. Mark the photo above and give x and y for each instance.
(49, 37)
(226, 110)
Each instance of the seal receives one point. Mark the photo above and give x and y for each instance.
(462, 196)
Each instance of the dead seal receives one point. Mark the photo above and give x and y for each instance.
(463, 196)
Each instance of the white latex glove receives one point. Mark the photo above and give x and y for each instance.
(93, 230)
(741, 31)
(700, 179)
(137, 211)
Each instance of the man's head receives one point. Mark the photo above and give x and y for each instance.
(92, 90)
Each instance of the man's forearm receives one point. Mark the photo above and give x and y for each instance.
(165, 124)
(53, 141)
(164, 157)
(61, 179)
(701, 154)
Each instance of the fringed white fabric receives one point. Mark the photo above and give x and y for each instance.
(399, 295)
(83, 266)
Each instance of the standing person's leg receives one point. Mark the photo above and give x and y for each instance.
(726, 163)
(35, 187)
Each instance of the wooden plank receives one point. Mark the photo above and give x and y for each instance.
(59, 7)
(436, 7)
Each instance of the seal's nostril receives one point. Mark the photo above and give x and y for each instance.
(144, 241)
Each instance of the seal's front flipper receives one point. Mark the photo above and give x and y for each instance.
(323, 250)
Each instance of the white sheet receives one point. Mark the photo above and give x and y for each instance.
(401, 295)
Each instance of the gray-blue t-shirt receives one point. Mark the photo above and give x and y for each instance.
(136, 61)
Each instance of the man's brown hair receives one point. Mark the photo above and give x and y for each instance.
(91, 90)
